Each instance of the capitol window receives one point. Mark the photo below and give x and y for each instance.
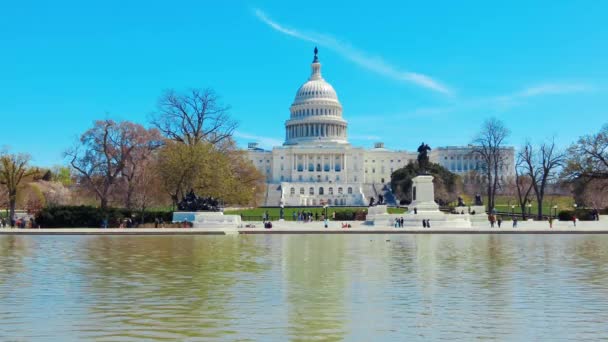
(311, 191)
(321, 190)
(331, 191)
(350, 190)
(292, 191)
(301, 191)
(340, 191)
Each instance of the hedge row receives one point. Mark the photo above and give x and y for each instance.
(581, 214)
(351, 215)
(92, 217)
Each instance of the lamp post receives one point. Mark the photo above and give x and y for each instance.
(555, 211)
(529, 209)
(512, 210)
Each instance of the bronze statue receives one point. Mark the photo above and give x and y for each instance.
(192, 202)
(460, 202)
(423, 157)
(316, 59)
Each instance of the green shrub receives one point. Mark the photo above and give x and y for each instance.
(351, 215)
(92, 217)
(565, 215)
(581, 214)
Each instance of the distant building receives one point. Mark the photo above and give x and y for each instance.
(316, 165)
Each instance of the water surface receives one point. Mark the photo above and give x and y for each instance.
(304, 287)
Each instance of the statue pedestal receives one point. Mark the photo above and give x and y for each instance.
(423, 194)
(478, 209)
(208, 219)
(374, 213)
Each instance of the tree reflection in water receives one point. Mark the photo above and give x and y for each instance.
(154, 287)
(304, 287)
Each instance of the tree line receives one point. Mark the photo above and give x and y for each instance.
(187, 145)
(581, 168)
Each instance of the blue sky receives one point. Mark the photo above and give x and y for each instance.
(405, 71)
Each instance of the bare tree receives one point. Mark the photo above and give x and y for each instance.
(541, 166)
(148, 188)
(193, 117)
(595, 194)
(102, 153)
(489, 146)
(588, 157)
(524, 185)
(147, 141)
(13, 171)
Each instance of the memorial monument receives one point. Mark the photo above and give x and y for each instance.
(204, 212)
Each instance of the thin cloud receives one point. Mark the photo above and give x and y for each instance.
(264, 142)
(555, 89)
(375, 64)
(494, 103)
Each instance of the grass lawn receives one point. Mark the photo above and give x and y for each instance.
(257, 213)
(504, 203)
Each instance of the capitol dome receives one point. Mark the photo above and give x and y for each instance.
(316, 113)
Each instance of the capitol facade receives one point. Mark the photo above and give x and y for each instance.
(316, 164)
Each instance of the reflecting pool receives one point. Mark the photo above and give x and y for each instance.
(304, 287)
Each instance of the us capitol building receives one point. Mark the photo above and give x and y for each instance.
(316, 165)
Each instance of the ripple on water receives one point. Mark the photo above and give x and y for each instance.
(303, 287)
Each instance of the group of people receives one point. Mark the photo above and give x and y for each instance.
(307, 216)
(21, 222)
(127, 223)
(494, 220)
(398, 222)
(426, 223)
(159, 222)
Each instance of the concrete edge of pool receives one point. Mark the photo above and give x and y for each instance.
(250, 231)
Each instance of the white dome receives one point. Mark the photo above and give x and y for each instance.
(315, 89)
(316, 113)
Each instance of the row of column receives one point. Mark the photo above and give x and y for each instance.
(315, 130)
(306, 160)
(316, 111)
